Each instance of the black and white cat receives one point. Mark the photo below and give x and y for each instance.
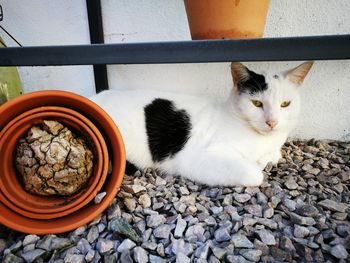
(211, 142)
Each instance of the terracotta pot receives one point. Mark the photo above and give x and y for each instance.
(116, 150)
(61, 204)
(46, 207)
(225, 19)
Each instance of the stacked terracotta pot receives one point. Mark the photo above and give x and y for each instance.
(30, 213)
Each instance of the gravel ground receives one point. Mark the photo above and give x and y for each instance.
(300, 214)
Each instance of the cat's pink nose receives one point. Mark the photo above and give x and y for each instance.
(271, 123)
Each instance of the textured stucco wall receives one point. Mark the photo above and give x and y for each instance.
(50, 22)
(326, 92)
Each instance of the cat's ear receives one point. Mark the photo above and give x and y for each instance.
(239, 72)
(298, 74)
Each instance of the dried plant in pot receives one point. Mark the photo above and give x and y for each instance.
(226, 19)
(116, 152)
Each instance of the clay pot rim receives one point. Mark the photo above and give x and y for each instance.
(27, 204)
(112, 137)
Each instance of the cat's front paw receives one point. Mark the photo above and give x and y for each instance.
(272, 157)
(253, 177)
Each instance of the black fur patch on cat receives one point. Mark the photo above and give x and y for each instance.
(130, 168)
(255, 83)
(168, 128)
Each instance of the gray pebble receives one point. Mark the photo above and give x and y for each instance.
(339, 251)
(126, 245)
(15, 247)
(109, 258)
(255, 210)
(149, 245)
(291, 184)
(290, 204)
(33, 255)
(269, 212)
(125, 257)
(241, 241)
(301, 220)
(79, 231)
(180, 227)
(216, 209)
(180, 246)
(213, 259)
(134, 189)
(236, 259)
(307, 211)
(218, 252)
(130, 204)
(92, 234)
(103, 246)
(196, 230)
(99, 197)
(155, 220)
(145, 200)
(59, 243)
(140, 255)
(301, 231)
(28, 247)
(333, 206)
(73, 258)
(242, 198)
(182, 258)
(90, 255)
(203, 250)
(84, 246)
(30, 239)
(162, 231)
(251, 254)
(156, 259)
(266, 237)
(10, 258)
(222, 234)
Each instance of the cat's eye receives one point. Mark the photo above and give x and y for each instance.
(257, 103)
(285, 104)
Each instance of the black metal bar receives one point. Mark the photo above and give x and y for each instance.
(265, 49)
(97, 37)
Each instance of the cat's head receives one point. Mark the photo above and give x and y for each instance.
(268, 102)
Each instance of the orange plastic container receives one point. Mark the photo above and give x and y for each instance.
(226, 19)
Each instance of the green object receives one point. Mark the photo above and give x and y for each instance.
(10, 83)
(122, 227)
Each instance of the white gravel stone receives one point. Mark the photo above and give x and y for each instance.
(99, 197)
(126, 245)
(30, 239)
(73, 258)
(145, 200)
(242, 198)
(182, 258)
(140, 255)
(155, 220)
(266, 237)
(339, 251)
(162, 231)
(241, 241)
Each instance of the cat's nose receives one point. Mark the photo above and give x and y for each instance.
(271, 123)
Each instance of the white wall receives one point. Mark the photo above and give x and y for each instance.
(61, 22)
(50, 22)
(326, 91)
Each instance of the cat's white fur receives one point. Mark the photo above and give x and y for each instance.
(230, 142)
